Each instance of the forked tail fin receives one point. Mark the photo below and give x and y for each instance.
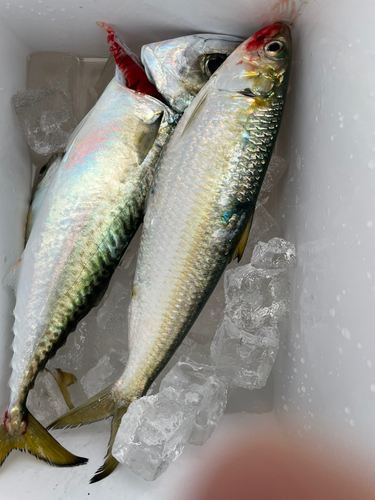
(101, 406)
(110, 463)
(37, 441)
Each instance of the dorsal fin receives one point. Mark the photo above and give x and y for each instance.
(129, 65)
(240, 248)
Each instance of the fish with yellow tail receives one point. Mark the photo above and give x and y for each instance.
(198, 214)
(86, 214)
(92, 207)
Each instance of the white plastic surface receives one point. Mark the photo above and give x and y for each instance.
(325, 373)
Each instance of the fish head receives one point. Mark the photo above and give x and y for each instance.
(259, 66)
(180, 67)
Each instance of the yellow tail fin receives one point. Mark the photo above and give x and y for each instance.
(110, 463)
(101, 406)
(37, 441)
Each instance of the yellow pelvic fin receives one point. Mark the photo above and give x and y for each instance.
(64, 380)
(240, 248)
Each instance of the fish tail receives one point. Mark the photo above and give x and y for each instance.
(35, 439)
(101, 406)
(110, 463)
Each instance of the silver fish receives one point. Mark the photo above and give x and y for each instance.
(91, 210)
(198, 214)
(180, 67)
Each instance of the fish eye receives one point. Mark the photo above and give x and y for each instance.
(273, 48)
(212, 62)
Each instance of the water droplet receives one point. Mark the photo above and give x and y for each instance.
(372, 387)
(303, 388)
(359, 345)
(302, 360)
(369, 275)
(347, 410)
(340, 350)
(369, 363)
(351, 422)
(332, 312)
(332, 138)
(345, 333)
(369, 223)
(371, 164)
(338, 298)
(356, 116)
(286, 408)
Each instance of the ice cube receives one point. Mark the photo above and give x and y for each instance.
(107, 370)
(187, 346)
(244, 358)
(80, 350)
(275, 171)
(54, 70)
(46, 118)
(198, 386)
(276, 254)
(153, 433)
(256, 297)
(45, 400)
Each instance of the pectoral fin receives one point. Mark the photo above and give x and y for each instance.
(147, 136)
